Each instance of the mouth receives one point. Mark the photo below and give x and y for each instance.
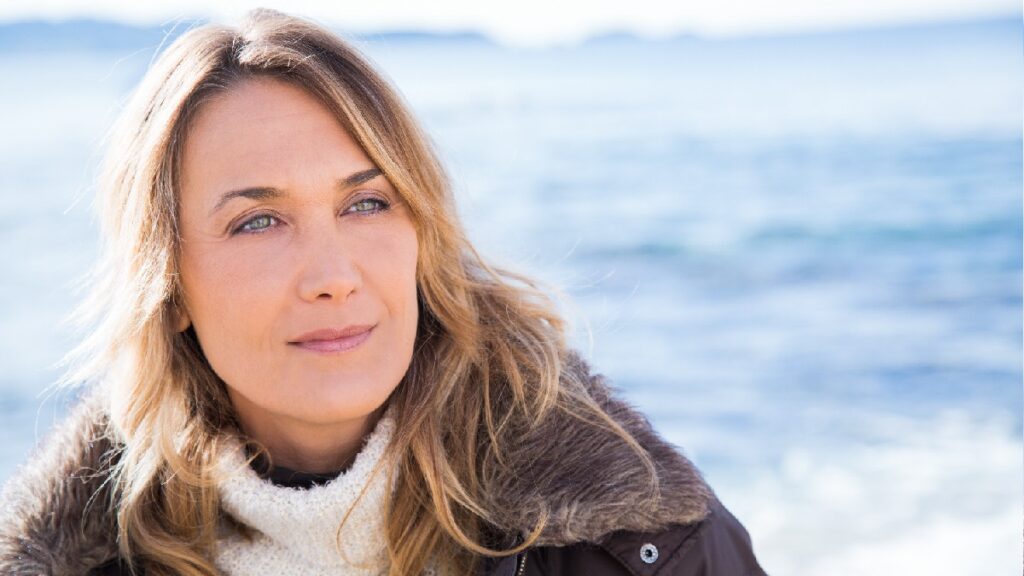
(332, 341)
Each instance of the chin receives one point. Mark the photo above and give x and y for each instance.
(330, 403)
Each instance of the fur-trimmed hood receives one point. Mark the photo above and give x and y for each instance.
(55, 516)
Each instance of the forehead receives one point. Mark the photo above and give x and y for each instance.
(264, 132)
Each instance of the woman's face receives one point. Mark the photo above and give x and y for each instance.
(298, 258)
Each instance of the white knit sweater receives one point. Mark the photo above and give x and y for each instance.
(296, 530)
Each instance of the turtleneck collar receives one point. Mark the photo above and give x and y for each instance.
(297, 531)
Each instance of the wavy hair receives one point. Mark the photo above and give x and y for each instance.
(490, 352)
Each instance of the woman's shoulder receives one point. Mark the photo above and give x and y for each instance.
(601, 508)
(588, 475)
(718, 545)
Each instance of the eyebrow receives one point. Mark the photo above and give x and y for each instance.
(265, 192)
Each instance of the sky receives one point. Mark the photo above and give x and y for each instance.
(541, 22)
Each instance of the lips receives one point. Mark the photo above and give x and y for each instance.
(333, 340)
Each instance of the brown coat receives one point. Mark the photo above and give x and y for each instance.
(54, 517)
(715, 546)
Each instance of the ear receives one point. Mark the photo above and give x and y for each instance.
(180, 318)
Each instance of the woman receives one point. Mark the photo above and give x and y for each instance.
(301, 366)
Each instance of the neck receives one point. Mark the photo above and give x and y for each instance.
(303, 446)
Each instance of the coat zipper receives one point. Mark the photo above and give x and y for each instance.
(522, 564)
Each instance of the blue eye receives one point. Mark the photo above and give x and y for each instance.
(368, 205)
(256, 224)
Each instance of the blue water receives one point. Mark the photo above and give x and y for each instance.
(801, 256)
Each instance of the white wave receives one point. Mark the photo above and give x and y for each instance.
(909, 497)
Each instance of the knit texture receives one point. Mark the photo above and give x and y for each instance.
(296, 531)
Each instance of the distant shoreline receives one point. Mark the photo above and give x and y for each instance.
(94, 34)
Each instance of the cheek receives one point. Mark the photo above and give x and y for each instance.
(230, 298)
(404, 280)
(391, 275)
(396, 280)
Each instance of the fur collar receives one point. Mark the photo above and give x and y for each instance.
(55, 516)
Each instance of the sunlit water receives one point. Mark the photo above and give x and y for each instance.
(801, 257)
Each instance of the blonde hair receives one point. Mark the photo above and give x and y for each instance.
(490, 346)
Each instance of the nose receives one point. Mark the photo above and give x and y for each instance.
(329, 271)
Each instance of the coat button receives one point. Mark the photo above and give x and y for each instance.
(649, 553)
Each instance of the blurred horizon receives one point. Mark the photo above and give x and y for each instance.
(98, 32)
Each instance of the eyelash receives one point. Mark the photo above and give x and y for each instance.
(382, 205)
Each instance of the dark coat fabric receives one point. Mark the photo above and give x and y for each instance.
(715, 546)
(55, 517)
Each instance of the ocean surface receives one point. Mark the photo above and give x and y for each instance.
(800, 255)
